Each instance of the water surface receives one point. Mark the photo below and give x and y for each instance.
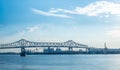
(60, 62)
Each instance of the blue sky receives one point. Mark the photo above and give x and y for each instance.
(90, 22)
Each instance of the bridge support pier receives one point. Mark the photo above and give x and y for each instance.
(87, 50)
(70, 49)
(22, 52)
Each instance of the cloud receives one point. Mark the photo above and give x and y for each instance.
(115, 32)
(50, 14)
(29, 29)
(22, 32)
(99, 8)
(33, 28)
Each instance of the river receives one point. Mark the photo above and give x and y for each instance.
(60, 62)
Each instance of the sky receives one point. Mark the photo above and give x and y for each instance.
(90, 22)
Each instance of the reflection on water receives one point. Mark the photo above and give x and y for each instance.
(60, 62)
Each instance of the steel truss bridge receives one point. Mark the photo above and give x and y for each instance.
(28, 44)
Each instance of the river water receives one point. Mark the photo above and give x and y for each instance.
(60, 62)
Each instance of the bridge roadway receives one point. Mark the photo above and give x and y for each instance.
(28, 44)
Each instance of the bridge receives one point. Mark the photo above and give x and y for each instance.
(70, 44)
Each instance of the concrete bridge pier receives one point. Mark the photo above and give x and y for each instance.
(87, 50)
(70, 49)
(23, 53)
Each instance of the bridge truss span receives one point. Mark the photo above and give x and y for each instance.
(26, 44)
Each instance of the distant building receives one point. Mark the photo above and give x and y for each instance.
(58, 50)
(113, 51)
(48, 50)
(104, 50)
(96, 50)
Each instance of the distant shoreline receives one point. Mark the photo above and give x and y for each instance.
(56, 53)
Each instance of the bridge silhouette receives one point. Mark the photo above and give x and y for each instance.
(70, 44)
